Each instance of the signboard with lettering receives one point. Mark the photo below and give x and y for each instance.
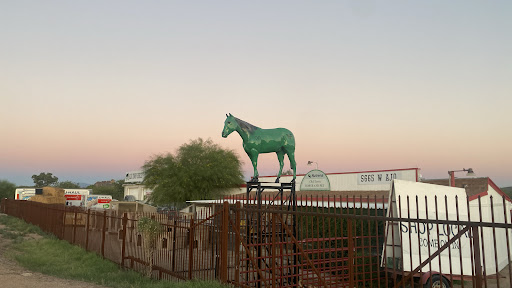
(76, 197)
(375, 178)
(420, 239)
(134, 177)
(99, 201)
(315, 180)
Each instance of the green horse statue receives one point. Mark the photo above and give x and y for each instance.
(257, 140)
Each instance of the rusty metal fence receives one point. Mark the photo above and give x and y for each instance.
(323, 242)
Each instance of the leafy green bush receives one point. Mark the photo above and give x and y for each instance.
(7, 189)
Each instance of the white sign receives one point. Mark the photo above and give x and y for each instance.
(99, 201)
(315, 180)
(376, 178)
(134, 177)
(75, 197)
(419, 240)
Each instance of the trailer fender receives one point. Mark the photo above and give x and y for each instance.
(436, 277)
(424, 278)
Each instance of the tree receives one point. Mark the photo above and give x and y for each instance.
(44, 179)
(199, 170)
(150, 229)
(7, 189)
(507, 190)
(68, 185)
(116, 190)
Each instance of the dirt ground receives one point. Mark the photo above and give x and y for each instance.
(14, 276)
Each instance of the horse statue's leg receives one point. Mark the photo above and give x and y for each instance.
(291, 157)
(280, 157)
(253, 155)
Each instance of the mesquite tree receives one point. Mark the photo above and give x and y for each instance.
(150, 230)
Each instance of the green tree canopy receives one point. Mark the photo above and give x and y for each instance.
(199, 170)
(45, 179)
(116, 190)
(68, 185)
(7, 189)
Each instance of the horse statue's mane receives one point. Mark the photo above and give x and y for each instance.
(246, 126)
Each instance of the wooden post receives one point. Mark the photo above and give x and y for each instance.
(224, 244)
(63, 230)
(74, 228)
(87, 230)
(103, 233)
(123, 248)
(191, 248)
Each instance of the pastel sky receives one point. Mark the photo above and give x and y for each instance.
(92, 89)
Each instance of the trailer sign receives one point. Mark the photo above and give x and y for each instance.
(417, 240)
(76, 197)
(99, 201)
(427, 235)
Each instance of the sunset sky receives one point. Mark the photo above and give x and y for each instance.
(92, 89)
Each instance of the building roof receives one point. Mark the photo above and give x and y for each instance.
(474, 186)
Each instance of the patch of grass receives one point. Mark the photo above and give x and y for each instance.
(21, 227)
(16, 229)
(51, 256)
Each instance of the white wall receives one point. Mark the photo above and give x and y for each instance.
(358, 181)
(137, 191)
(494, 239)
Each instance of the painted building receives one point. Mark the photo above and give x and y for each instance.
(133, 188)
(374, 183)
(378, 180)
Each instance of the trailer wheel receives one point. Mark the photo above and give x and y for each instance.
(436, 281)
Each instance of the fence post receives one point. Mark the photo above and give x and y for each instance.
(191, 248)
(237, 246)
(63, 230)
(123, 248)
(103, 233)
(224, 241)
(87, 230)
(350, 253)
(47, 226)
(274, 250)
(173, 263)
(74, 227)
(478, 261)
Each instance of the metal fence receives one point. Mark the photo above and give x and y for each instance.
(319, 242)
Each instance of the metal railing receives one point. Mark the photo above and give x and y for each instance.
(324, 242)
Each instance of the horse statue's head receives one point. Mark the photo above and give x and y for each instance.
(230, 125)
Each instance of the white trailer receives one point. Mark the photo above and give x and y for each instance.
(409, 244)
(76, 197)
(99, 201)
(24, 193)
